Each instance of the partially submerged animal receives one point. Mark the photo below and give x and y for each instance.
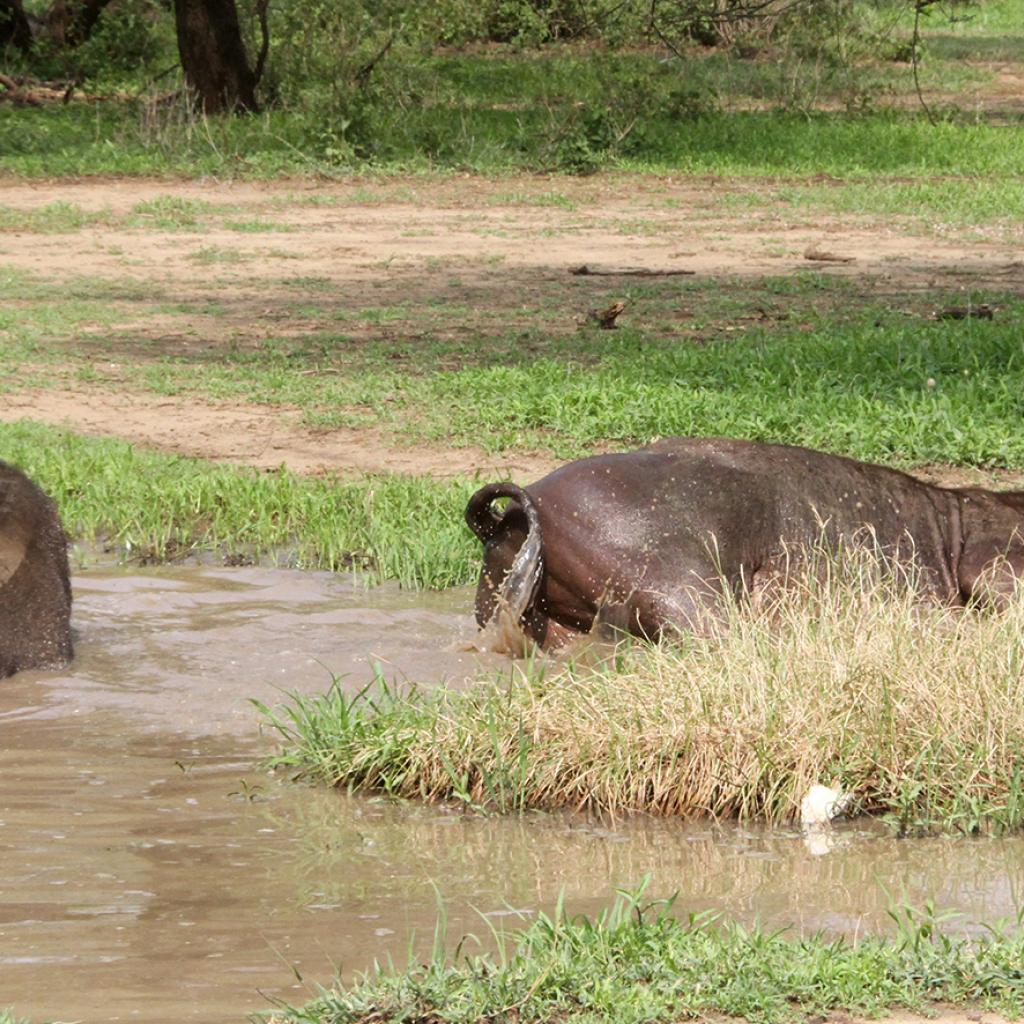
(651, 539)
(35, 585)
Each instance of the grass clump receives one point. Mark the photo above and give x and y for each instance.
(54, 218)
(157, 507)
(169, 213)
(636, 962)
(257, 226)
(916, 710)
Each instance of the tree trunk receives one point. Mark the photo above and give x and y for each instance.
(213, 55)
(69, 23)
(14, 27)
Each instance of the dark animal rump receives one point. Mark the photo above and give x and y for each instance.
(653, 535)
(35, 584)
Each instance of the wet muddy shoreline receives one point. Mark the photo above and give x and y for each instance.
(152, 871)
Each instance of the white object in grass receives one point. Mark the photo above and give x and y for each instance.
(822, 804)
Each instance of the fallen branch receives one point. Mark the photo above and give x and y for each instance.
(982, 311)
(821, 256)
(15, 94)
(585, 271)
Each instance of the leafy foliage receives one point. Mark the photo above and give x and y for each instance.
(568, 85)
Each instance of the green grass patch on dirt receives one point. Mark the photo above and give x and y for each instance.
(54, 218)
(804, 360)
(169, 213)
(913, 709)
(905, 391)
(152, 506)
(636, 963)
(895, 389)
(212, 254)
(940, 206)
(257, 225)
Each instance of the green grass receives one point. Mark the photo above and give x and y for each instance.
(542, 199)
(257, 226)
(75, 140)
(54, 218)
(843, 385)
(154, 506)
(636, 963)
(852, 388)
(939, 205)
(826, 366)
(169, 213)
(616, 98)
(986, 31)
(847, 678)
(210, 254)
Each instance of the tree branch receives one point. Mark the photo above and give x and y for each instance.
(261, 58)
(362, 76)
(920, 6)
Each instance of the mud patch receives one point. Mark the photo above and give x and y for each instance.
(182, 650)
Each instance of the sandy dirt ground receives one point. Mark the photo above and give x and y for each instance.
(251, 250)
(253, 435)
(942, 1015)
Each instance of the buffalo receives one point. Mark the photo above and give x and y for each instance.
(652, 539)
(35, 585)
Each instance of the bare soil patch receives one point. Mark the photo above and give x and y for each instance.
(385, 237)
(270, 437)
(454, 258)
(253, 435)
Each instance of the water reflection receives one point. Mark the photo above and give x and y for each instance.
(345, 844)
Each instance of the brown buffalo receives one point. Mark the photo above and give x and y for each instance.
(651, 538)
(35, 587)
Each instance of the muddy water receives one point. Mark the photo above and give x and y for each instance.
(150, 872)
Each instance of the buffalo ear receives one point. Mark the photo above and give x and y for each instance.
(13, 546)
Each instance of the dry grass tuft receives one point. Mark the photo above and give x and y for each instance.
(916, 709)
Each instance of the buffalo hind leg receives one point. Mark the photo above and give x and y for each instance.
(652, 613)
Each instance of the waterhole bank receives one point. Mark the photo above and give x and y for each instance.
(152, 872)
